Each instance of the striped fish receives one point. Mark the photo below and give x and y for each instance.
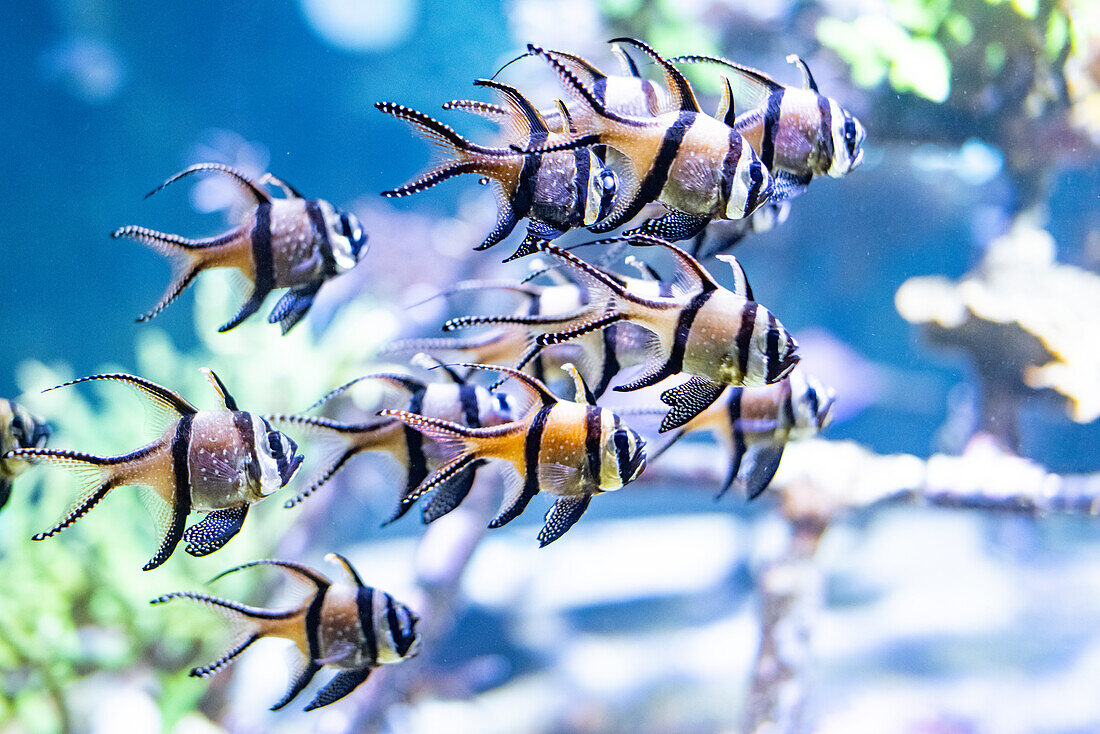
(720, 337)
(570, 449)
(290, 242)
(214, 461)
(798, 132)
(755, 424)
(338, 442)
(19, 429)
(697, 166)
(554, 192)
(723, 236)
(350, 627)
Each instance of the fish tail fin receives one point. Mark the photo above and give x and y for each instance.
(97, 477)
(188, 257)
(460, 447)
(248, 624)
(333, 443)
(460, 155)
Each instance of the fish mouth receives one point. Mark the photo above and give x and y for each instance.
(823, 414)
(783, 367)
(637, 464)
(856, 161)
(287, 472)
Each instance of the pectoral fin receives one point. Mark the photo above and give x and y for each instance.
(759, 467)
(786, 186)
(344, 683)
(562, 516)
(688, 400)
(214, 530)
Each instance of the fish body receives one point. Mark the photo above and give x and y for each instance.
(798, 132)
(457, 401)
(351, 627)
(555, 192)
(291, 242)
(214, 461)
(572, 450)
(19, 429)
(697, 166)
(756, 423)
(720, 337)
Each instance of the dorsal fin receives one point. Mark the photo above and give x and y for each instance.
(753, 87)
(582, 394)
(348, 568)
(807, 78)
(291, 191)
(431, 362)
(726, 111)
(683, 97)
(402, 382)
(304, 572)
(219, 386)
(248, 185)
(583, 66)
(524, 119)
(489, 110)
(534, 385)
(627, 63)
(740, 280)
(567, 119)
(577, 87)
(696, 275)
(164, 398)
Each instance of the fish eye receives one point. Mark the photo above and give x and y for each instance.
(812, 399)
(405, 620)
(18, 430)
(275, 445)
(608, 180)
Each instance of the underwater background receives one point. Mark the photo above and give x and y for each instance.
(917, 569)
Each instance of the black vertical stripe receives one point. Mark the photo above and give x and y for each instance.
(467, 396)
(743, 340)
(181, 495)
(320, 236)
(593, 441)
(788, 404)
(414, 445)
(582, 170)
(826, 131)
(657, 175)
(401, 643)
(622, 455)
(524, 195)
(736, 432)
(756, 179)
(772, 117)
(771, 354)
(531, 446)
(611, 365)
(313, 624)
(365, 601)
(242, 421)
(729, 164)
(262, 258)
(683, 331)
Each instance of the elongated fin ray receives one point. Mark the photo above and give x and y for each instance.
(807, 78)
(752, 86)
(161, 397)
(248, 185)
(678, 86)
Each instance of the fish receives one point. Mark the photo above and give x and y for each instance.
(754, 424)
(351, 627)
(19, 429)
(697, 166)
(215, 461)
(798, 132)
(456, 400)
(289, 242)
(722, 237)
(555, 192)
(572, 450)
(719, 336)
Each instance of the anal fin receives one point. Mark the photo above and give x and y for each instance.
(518, 494)
(759, 467)
(249, 307)
(214, 530)
(450, 495)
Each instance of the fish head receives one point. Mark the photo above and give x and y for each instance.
(345, 235)
(848, 136)
(406, 639)
(602, 184)
(812, 401)
(276, 458)
(624, 456)
(27, 431)
(772, 351)
(750, 184)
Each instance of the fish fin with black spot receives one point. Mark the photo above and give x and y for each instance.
(450, 495)
(787, 185)
(293, 307)
(673, 226)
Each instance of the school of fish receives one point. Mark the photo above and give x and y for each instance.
(613, 147)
